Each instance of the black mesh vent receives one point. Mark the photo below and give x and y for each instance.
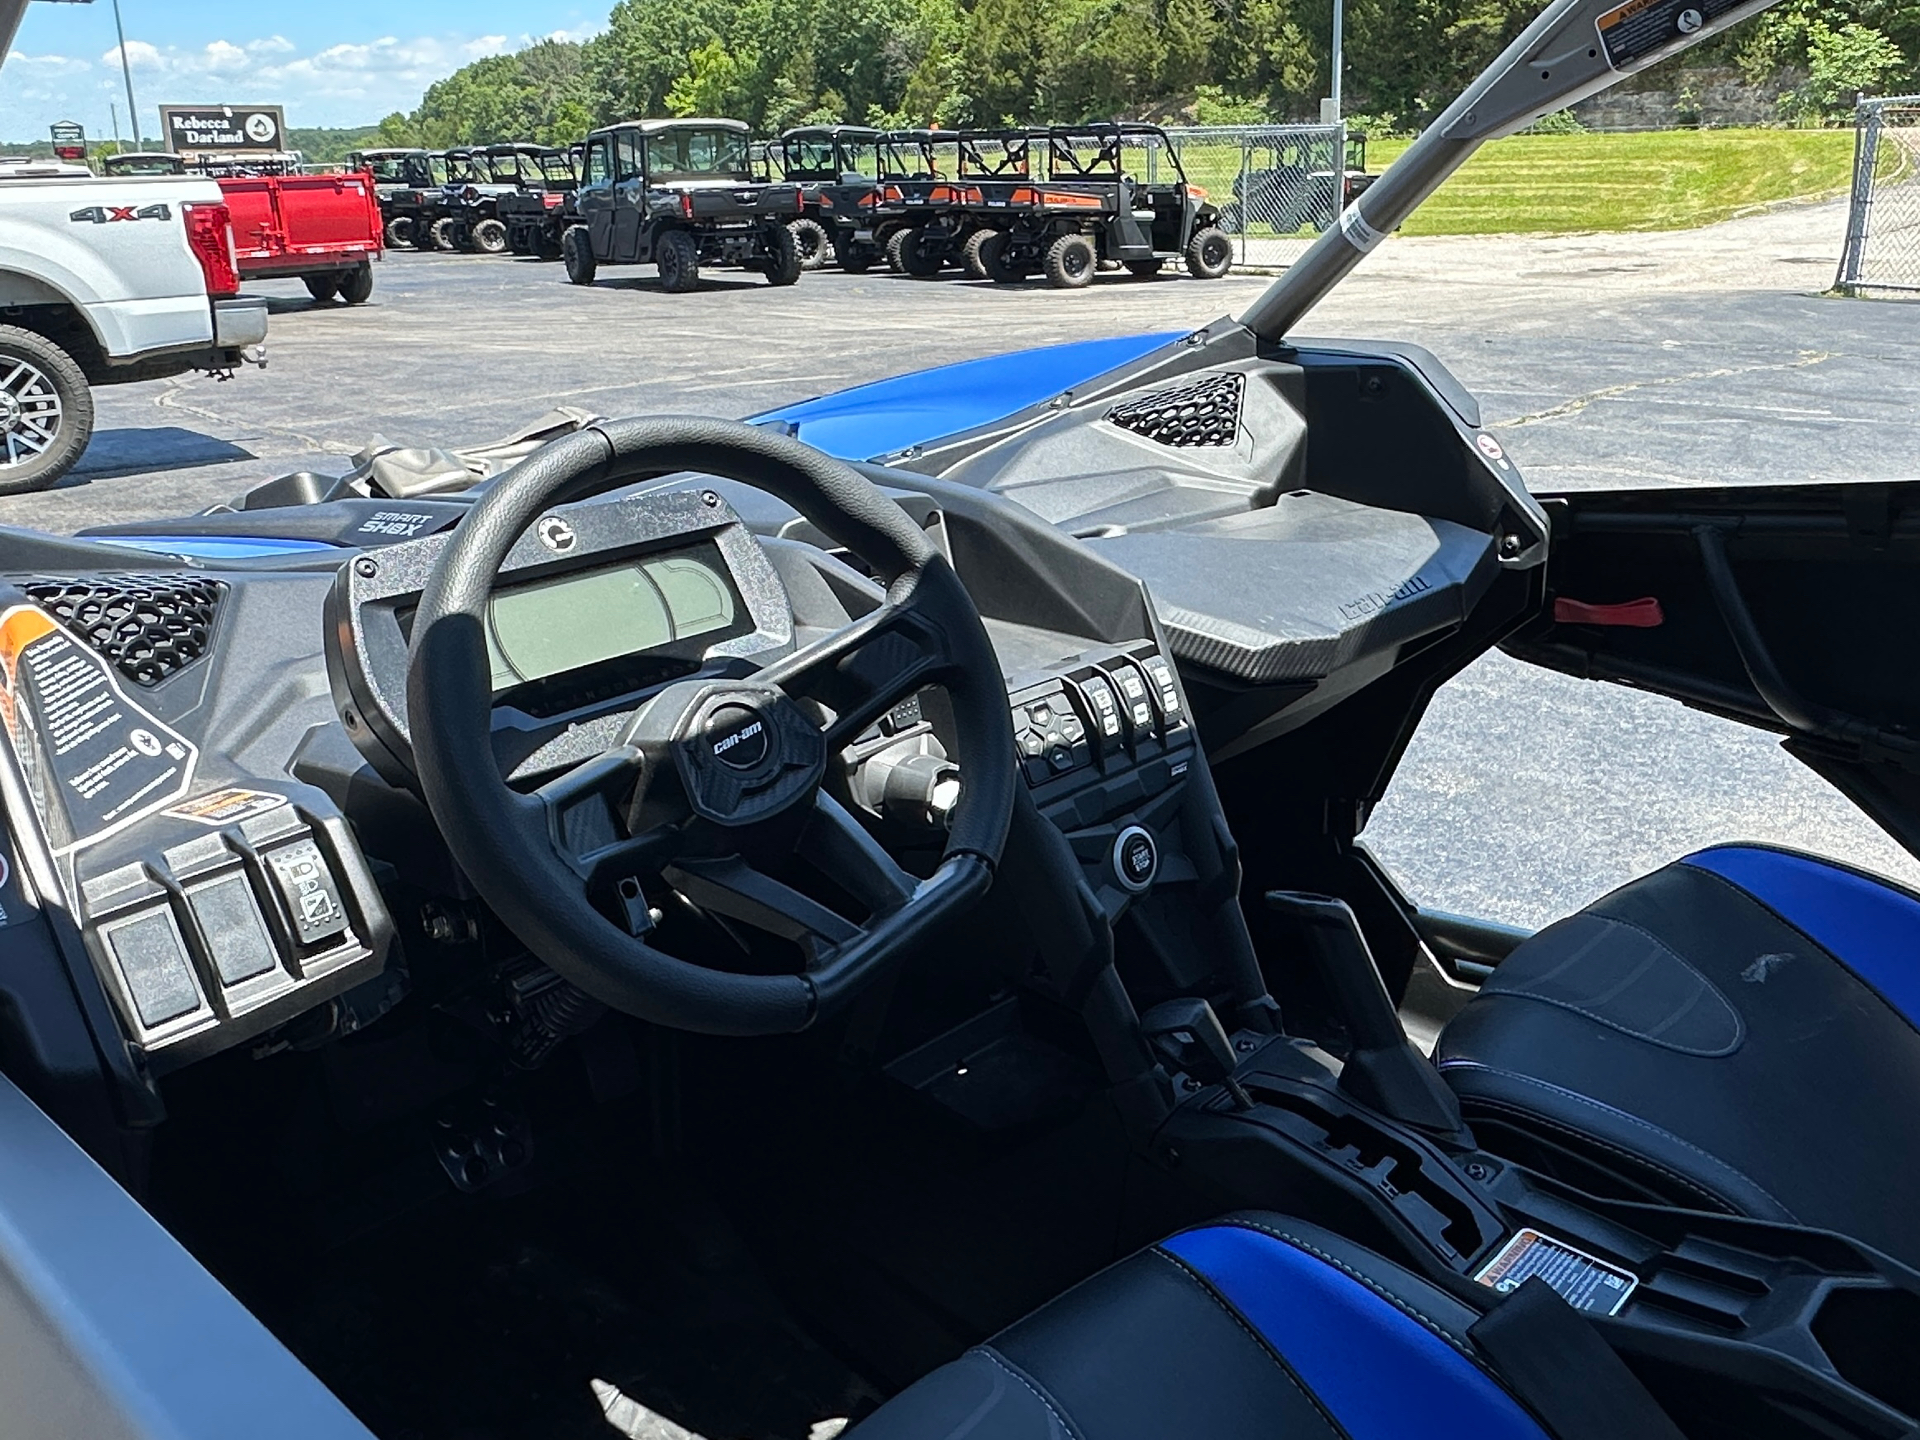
(149, 626)
(1207, 412)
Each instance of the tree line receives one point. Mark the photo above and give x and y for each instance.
(777, 63)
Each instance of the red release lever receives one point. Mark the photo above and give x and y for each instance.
(1641, 614)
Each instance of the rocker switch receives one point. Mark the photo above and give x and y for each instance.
(307, 889)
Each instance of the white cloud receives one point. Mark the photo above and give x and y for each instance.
(140, 55)
(352, 83)
(223, 55)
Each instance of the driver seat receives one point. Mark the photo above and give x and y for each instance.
(1256, 1327)
(1735, 1032)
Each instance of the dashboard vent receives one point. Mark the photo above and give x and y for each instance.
(1206, 412)
(150, 626)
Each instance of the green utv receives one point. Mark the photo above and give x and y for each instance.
(679, 194)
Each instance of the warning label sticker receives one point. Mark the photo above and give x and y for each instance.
(1643, 28)
(1584, 1282)
(223, 807)
(93, 755)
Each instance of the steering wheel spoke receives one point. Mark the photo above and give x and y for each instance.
(838, 845)
(866, 669)
(730, 886)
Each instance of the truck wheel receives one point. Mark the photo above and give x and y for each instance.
(356, 286)
(896, 243)
(46, 411)
(971, 256)
(679, 261)
(322, 285)
(811, 240)
(1071, 262)
(918, 259)
(446, 233)
(545, 245)
(488, 237)
(994, 261)
(1144, 269)
(400, 231)
(576, 249)
(782, 265)
(1209, 254)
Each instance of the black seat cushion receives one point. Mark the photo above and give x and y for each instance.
(1253, 1328)
(1735, 1032)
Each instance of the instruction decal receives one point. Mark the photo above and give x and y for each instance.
(1362, 236)
(1584, 1282)
(1643, 29)
(224, 807)
(96, 759)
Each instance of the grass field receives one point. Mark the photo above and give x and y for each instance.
(1660, 180)
(1560, 184)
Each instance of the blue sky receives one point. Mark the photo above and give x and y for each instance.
(341, 62)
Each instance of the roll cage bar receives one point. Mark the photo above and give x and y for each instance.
(1097, 151)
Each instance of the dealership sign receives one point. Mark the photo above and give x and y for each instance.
(69, 141)
(223, 129)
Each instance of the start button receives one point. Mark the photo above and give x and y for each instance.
(1136, 859)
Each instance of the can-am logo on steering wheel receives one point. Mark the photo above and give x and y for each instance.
(738, 736)
(556, 534)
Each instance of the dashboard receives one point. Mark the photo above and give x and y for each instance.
(214, 825)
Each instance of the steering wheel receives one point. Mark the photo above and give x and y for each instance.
(713, 779)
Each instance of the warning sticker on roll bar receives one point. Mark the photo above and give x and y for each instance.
(1643, 28)
(95, 759)
(1580, 1279)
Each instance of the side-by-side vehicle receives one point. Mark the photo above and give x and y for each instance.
(680, 195)
(863, 914)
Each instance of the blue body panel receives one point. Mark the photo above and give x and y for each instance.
(889, 415)
(858, 424)
(1870, 926)
(214, 547)
(1382, 1374)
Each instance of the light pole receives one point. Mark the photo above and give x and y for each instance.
(133, 110)
(1339, 27)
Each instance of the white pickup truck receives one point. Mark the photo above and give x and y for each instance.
(105, 280)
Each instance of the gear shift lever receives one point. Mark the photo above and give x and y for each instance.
(1383, 1069)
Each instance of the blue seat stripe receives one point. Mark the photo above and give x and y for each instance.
(1870, 927)
(1379, 1372)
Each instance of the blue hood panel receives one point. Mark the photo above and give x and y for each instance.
(889, 415)
(858, 424)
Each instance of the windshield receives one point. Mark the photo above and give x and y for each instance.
(557, 166)
(698, 152)
(860, 157)
(505, 168)
(460, 170)
(393, 169)
(809, 157)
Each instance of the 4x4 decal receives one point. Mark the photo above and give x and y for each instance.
(103, 214)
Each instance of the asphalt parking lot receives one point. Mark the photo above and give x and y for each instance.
(1704, 357)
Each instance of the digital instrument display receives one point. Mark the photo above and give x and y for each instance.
(548, 627)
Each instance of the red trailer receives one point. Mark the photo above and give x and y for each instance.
(324, 229)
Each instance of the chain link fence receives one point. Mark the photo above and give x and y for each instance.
(1882, 254)
(1276, 186)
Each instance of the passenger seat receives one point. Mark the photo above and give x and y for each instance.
(1735, 1032)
